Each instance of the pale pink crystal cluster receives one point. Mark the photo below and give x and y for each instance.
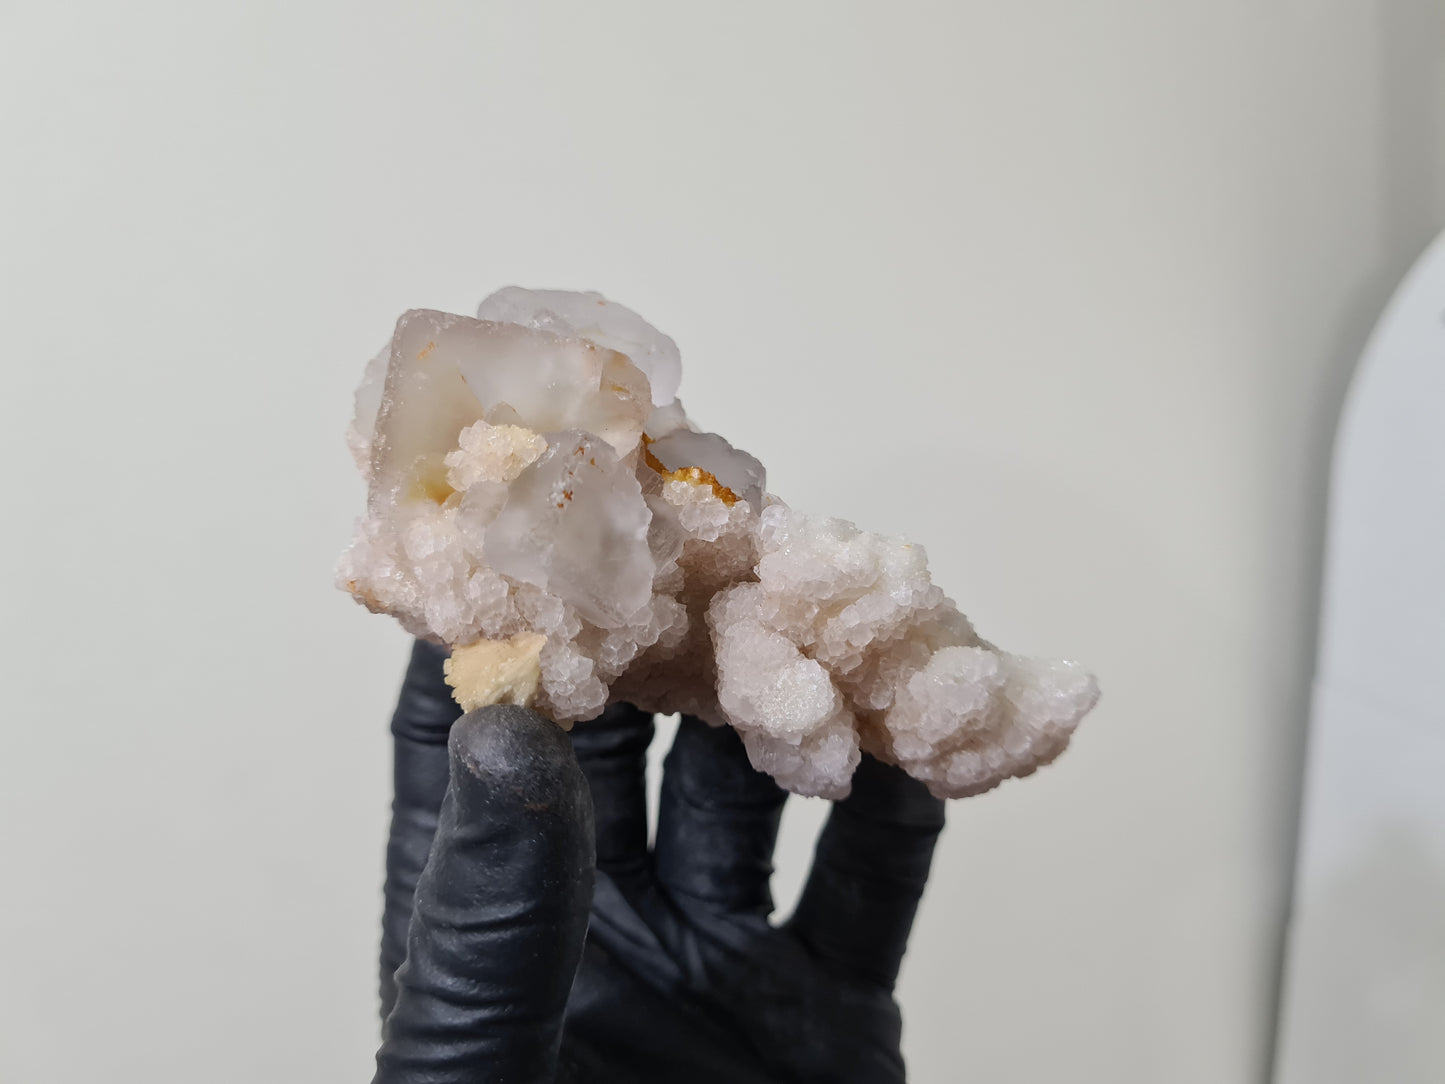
(538, 499)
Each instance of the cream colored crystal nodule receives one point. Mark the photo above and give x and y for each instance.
(540, 502)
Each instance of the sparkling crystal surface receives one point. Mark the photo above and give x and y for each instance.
(538, 497)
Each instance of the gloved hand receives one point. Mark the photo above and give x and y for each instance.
(491, 884)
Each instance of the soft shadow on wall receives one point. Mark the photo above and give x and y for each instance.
(1400, 883)
(1410, 57)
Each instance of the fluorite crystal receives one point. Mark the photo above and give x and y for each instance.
(539, 501)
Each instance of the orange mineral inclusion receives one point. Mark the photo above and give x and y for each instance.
(695, 475)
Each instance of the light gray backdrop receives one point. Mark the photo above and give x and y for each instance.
(1066, 292)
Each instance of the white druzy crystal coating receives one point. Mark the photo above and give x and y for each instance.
(535, 481)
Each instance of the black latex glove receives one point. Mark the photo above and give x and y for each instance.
(683, 978)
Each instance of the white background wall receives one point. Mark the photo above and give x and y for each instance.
(1067, 292)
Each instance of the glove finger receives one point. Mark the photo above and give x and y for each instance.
(425, 712)
(501, 910)
(869, 871)
(717, 822)
(612, 750)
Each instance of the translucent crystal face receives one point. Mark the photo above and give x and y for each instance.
(575, 525)
(591, 316)
(448, 372)
(540, 501)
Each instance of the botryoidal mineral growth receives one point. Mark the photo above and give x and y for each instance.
(539, 502)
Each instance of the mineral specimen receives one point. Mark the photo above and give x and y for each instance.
(540, 502)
